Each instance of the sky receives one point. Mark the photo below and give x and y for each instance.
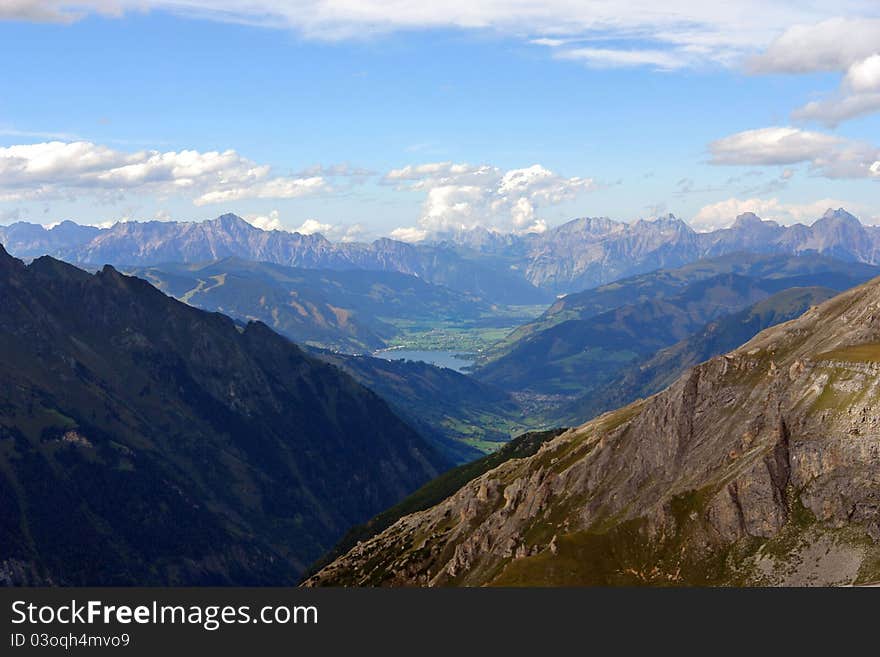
(363, 118)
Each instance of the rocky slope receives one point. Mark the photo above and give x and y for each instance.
(758, 467)
(143, 441)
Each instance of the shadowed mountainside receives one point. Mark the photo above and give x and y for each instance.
(146, 442)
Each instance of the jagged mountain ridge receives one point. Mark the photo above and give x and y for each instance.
(758, 467)
(131, 244)
(587, 252)
(507, 268)
(143, 441)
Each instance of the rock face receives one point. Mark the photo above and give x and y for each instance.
(146, 442)
(758, 467)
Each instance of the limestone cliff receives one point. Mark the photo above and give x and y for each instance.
(758, 467)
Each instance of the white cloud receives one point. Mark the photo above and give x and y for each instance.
(462, 196)
(864, 75)
(275, 188)
(837, 108)
(312, 226)
(618, 58)
(409, 234)
(59, 169)
(696, 31)
(848, 45)
(723, 213)
(350, 233)
(828, 155)
(271, 221)
(49, 11)
(859, 94)
(338, 232)
(775, 145)
(830, 45)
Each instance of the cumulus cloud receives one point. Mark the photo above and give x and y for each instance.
(677, 31)
(59, 169)
(312, 226)
(464, 196)
(271, 221)
(338, 232)
(830, 45)
(859, 94)
(409, 234)
(828, 155)
(723, 213)
(775, 145)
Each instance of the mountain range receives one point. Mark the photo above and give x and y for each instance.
(143, 441)
(650, 375)
(584, 340)
(132, 244)
(757, 467)
(347, 310)
(501, 268)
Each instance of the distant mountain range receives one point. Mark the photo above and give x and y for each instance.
(759, 467)
(143, 441)
(588, 252)
(501, 268)
(134, 243)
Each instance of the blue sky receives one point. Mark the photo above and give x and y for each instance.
(362, 125)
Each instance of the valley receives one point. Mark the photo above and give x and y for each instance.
(457, 396)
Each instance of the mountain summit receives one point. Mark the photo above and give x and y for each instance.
(759, 467)
(499, 267)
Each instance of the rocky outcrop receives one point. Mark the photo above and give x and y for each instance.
(761, 466)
